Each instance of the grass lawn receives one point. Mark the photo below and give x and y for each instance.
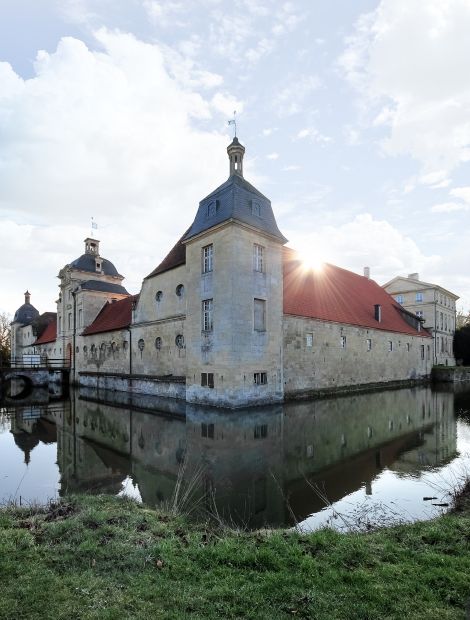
(109, 558)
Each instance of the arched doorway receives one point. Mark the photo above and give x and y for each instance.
(68, 355)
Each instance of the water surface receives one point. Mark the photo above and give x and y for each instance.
(368, 458)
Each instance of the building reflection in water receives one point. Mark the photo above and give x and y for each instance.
(254, 467)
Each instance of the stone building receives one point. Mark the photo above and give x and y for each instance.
(434, 305)
(231, 317)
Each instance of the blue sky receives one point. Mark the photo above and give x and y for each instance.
(354, 115)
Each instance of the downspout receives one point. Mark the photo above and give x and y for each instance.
(130, 350)
(74, 334)
(435, 327)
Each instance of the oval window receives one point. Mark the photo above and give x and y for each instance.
(85, 349)
(141, 344)
(180, 290)
(179, 341)
(158, 296)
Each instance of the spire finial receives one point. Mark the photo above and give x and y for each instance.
(233, 122)
(27, 297)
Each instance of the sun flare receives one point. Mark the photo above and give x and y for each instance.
(311, 261)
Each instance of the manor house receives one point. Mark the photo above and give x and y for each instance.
(230, 317)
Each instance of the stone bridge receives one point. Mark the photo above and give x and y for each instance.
(17, 383)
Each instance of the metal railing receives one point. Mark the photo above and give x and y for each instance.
(36, 361)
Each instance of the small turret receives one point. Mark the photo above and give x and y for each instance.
(92, 246)
(235, 152)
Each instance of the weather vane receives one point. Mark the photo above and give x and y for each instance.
(233, 122)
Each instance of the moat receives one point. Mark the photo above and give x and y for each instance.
(366, 458)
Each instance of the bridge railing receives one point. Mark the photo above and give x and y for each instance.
(35, 361)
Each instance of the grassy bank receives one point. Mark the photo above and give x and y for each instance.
(102, 557)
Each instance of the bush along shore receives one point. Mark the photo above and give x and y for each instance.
(110, 558)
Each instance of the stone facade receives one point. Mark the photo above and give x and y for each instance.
(231, 317)
(319, 355)
(435, 306)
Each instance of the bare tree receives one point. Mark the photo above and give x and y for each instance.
(462, 319)
(5, 320)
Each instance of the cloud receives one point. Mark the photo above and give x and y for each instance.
(291, 168)
(314, 135)
(410, 62)
(461, 192)
(272, 156)
(364, 241)
(448, 207)
(292, 99)
(110, 134)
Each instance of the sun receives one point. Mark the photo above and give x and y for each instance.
(311, 261)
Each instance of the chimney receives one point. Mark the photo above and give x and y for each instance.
(27, 297)
(378, 312)
(413, 276)
(367, 272)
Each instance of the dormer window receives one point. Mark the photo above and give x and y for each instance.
(98, 265)
(255, 208)
(212, 208)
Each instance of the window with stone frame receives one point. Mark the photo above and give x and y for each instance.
(258, 258)
(207, 315)
(259, 315)
(207, 258)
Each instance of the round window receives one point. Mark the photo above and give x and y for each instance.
(158, 295)
(141, 344)
(158, 343)
(179, 341)
(180, 290)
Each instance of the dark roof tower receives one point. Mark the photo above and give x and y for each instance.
(92, 261)
(235, 200)
(27, 312)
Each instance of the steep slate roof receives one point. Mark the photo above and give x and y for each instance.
(115, 315)
(49, 334)
(86, 262)
(175, 257)
(341, 296)
(25, 314)
(105, 287)
(233, 200)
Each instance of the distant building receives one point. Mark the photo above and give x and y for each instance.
(434, 305)
(231, 317)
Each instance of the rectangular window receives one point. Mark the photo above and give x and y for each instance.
(369, 344)
(207, 258)
(261, 431)
(408, 346)
(60, 324)
(309, 340)
(70, 320)
(428, 352)
(80, 318)
(259, 315)
(260, 378)
(399, 298)
(258, 257)
(419, 296)
(390, 345)
(343, 342)
(422, 351)
(419, 314)
(207, 310)
(442, 321)
(207, 430)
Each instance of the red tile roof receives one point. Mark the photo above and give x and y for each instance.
(49, 334)
(341, 296)
(114, 315)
